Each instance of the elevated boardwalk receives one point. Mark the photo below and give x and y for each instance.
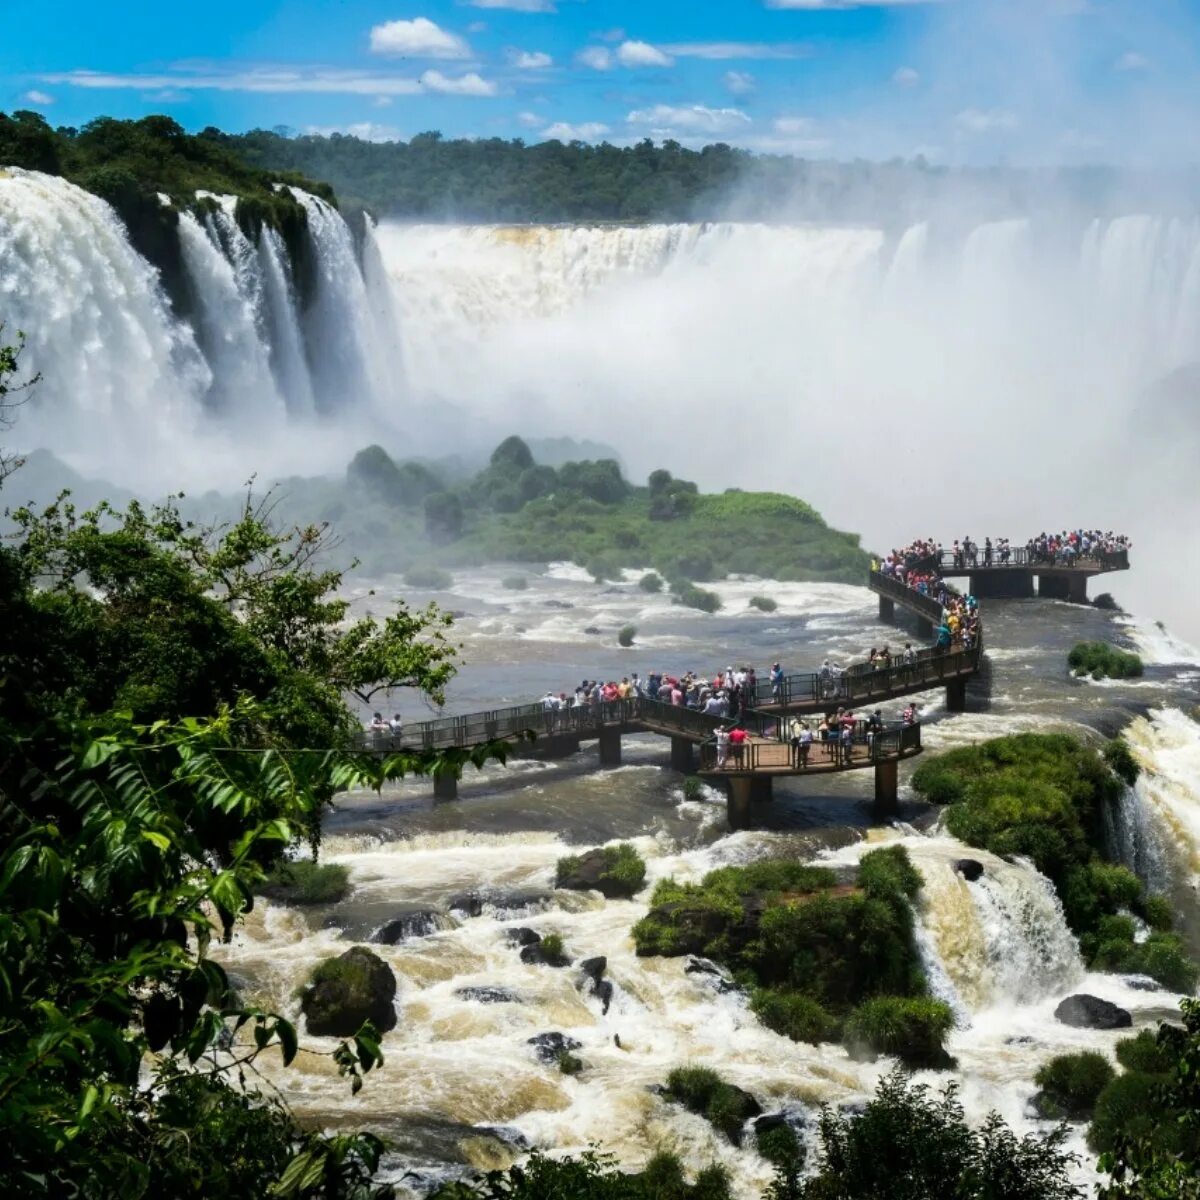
(768, 754)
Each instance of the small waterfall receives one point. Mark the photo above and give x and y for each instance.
(348, 365)
(287, 342)
(1134, 840)
(381, 302)
(226, 320)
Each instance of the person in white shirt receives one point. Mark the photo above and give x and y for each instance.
(722, 747)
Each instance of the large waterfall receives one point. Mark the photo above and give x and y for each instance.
(134, 390)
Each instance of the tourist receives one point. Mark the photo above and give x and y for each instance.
(777, 683)
(806, 739)
(396, 724)
(722, 747)
(795, 729)
(737, 740)
(910, 714)
(378, 724)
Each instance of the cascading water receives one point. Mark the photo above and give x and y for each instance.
(287, 342)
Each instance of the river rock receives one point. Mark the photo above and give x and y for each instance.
(548, 1046)
(469, 903)
(592, 631)
(790, 1118)
(486, 994)
(522, 935)
(355, 987)
(593, 969)
(591, 875)
(603, 991)
(969, 868)
(1090, 1012)
(420, 923)
(560, 604)
(1143, 983)
(711, 974)
(692, 928)
(535, 955)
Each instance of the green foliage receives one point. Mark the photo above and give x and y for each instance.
(431, 579)
(624, 867)
(795, 1015)
(1102, 660)
(1143, 1054)
(1071, 1083)
(552, 945)
(626, 636)
(1157, 913)
(693, 597)
(651, 582)
(912, 1144)
(10, 386)
(515, 583)
(443, 517)
(888, 872)
(693, 788)
(1162, 956)
(763, 604)
(303, 881)
(913, 1028)
(512, 453)
(568, 1064)
(1133, 1106)
(781, 1147)
(1120, 758)
(600, 481)
(701, 1090)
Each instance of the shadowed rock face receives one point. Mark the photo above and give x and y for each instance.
(1090, 1012)
(345, 991)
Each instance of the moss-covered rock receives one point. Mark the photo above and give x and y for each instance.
(617, 872)
(701, 1090)
(307, 882)
(1071, 1084)
(1102, 660)
(346, 991)
(912, 1028)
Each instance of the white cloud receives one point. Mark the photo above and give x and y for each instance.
(723, 50)
(382, 101)
(740, 83)
(529, 119)
(1131, 60)
(986, 120)
(366, 131)
(692, 118)
(529, 60)
(793, 126)
(906, 77)
(477, 27)
(596, 57)
(616, 34)
(529, 6)
(41, 99)
(418, 38)
(470, 84)
(281, 80)
(641, 54)
(589, 131)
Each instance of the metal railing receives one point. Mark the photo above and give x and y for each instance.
(865, 748)
(1023, 556)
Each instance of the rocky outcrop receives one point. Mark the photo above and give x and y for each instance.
(593, 969)
(541, 955)
(709, 973)
(344, 992)
(1090, 1012)
(522, 936)
(970, 869)
(549, 1047)
(470, 904)
(487, 994)
(616, 872)
(418, 923)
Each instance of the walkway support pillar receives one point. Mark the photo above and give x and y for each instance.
(610, 747)
(887, 787)
(887, 609)
(1078, 589)
(744, 791)
(1054, 587)
(956, 696)
(445, 787)
(682, 758)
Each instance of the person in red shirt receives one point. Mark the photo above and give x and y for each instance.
(737, 742)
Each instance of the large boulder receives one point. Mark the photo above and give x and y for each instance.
(593, 969)
(344, 992)
(550, 1046)
(616, 872)
(1090, 1012)
(420, 922)
(969, 868)
(522, 935)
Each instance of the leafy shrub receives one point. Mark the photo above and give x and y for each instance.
(1119, 756)
(623, 866)
(913, 1028)
(306, 882)
(1157, 913)
(603, 569)
(763, 604)
(432, 579)
(693, 788)
(1101, 660)
(780, 1146)
(693, 597)
(701, 1090)
(795, 1015)
(1143, 1053)
(1071, 1083)
(888, 872)
(552, 946)
(568, 1064)
(626, 636)
(515, 583)
(651, 582)
(1132, 1106)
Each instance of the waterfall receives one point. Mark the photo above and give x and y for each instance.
(119, 374)
(287, 342)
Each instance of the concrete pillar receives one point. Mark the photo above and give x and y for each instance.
(682, 758)
(1053, 587)
(739, 801)
(956, 696)
(445, 787)
(610, 747)
(887, 609)
(1077, 592)
(760, 788)
(887, 788)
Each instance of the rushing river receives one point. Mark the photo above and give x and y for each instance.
(461, 1087)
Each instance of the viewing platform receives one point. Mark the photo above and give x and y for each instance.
(1058, 578)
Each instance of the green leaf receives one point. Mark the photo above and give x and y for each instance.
(158, 839)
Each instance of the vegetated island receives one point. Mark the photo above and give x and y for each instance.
(519, 510)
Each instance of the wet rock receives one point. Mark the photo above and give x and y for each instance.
(345, 991)
(593, 873)
(1090, 1012)
(969, 868)
(593, 969)
(486, 994)
(1107, 602)
(560, 604)
(1022, 1039)
(1143, 983)
(419, 923)
(549, 1046)
(468, 903)
(522, 935)
(592, 631)
(537, 955)
(711, 974)
(691, 928)
(603, 991)
(794, 1119)
(511, 903)
(506, 1134)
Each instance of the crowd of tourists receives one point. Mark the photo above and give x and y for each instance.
(918, 566)
(926, 557)
(1071, 546)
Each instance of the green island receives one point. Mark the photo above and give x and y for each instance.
(519, 510)
(1101, 660)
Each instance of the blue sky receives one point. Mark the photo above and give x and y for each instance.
(981, 81)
